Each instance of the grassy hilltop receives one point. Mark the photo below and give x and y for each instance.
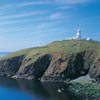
(66, 46)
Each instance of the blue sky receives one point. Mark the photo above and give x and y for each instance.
(31, 23)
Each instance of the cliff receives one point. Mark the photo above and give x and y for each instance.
(60, 60)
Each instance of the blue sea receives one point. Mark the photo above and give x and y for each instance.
(3, 53)
(11, 89)
(20, 89)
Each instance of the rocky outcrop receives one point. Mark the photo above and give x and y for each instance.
(95, 70)
(57, 65)
(35, 70)
(50, 67)
(70, 66)
(8, 67)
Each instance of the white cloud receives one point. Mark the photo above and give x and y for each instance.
(64, 7)
(14, 21)
(72, 1)
(7, 6)
(43, 2)
(55, 15)
(21, 15)
(13, 29)
(46, 25)
(11, 19)
(59, 2)
(58, 16)
(35, 3)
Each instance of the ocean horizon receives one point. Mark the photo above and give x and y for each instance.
(3, 54)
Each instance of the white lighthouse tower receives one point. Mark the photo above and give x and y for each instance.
(78, 34)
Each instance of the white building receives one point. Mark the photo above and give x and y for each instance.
(78, 34)
(89, 39)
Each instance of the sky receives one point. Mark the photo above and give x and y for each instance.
(32, 23)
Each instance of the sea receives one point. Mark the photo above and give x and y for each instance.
(20, 89)
(4, 53)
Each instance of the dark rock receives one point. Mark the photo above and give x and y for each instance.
(9, 67)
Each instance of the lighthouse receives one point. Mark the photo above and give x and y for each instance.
(78, 34)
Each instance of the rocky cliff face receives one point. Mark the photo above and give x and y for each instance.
(70, 66)
(95, 70)
(52, 66)
(8, 67)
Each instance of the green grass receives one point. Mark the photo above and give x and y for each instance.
(66, 46)
(89, 89)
